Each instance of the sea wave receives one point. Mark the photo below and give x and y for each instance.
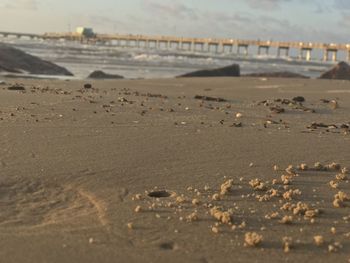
(144, 63)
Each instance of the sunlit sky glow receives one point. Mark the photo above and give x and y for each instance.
(297, 20)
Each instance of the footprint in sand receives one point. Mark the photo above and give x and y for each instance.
(32, 203)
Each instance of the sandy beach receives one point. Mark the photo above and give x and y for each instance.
(81, 170)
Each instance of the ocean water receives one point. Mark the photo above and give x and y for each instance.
(130, 62)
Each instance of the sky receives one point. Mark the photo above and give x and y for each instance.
(326, 21)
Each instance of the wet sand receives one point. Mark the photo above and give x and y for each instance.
(76, 163)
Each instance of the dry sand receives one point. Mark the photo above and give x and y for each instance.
(73, 160)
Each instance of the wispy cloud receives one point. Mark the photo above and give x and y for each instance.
(266, 4)
(22, 4)
(170, 8)
(342, 4)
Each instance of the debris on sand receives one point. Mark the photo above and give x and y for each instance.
(334, 104)
(287, 244)
(226, 187)
(159, 194)
(281, 74)
(287, 220)
(192, 217)
(339, 199)
(298, 99)
(257, 185)
(216, 197)
(316, 125)
(87, 86)
(16, 87)
(334, 128)
(277, 109)
(215, 230)
(199, 97)
(225, 214)
(151, 95)
(237, 124)
(195, 202)
(224, 217)
(293, 104)
(252, 239)
(335, 247)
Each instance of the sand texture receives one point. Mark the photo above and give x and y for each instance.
(176, 170)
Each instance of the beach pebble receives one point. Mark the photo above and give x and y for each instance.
(239, 115)
(287, 220)
(334, 104)
(319, 240)
(195, 202)
(333, 230)
(215, 230)
(216, 197)
(334, 247)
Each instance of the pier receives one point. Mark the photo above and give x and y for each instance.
(241, 47)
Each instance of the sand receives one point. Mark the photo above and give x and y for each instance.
(75, 165)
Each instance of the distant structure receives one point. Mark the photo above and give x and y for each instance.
(85, 32)
(305, 49)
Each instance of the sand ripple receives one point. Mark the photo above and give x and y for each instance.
(32, 203)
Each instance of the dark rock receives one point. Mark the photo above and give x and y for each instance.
(229, 71)
(13, 60)
(340, 71)
(87, 86)
(282, 74)
(98, 74)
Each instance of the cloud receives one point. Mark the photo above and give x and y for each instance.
(22, 4)
(170, 9)
(178, 18)
(342, 4)
(266, 4)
